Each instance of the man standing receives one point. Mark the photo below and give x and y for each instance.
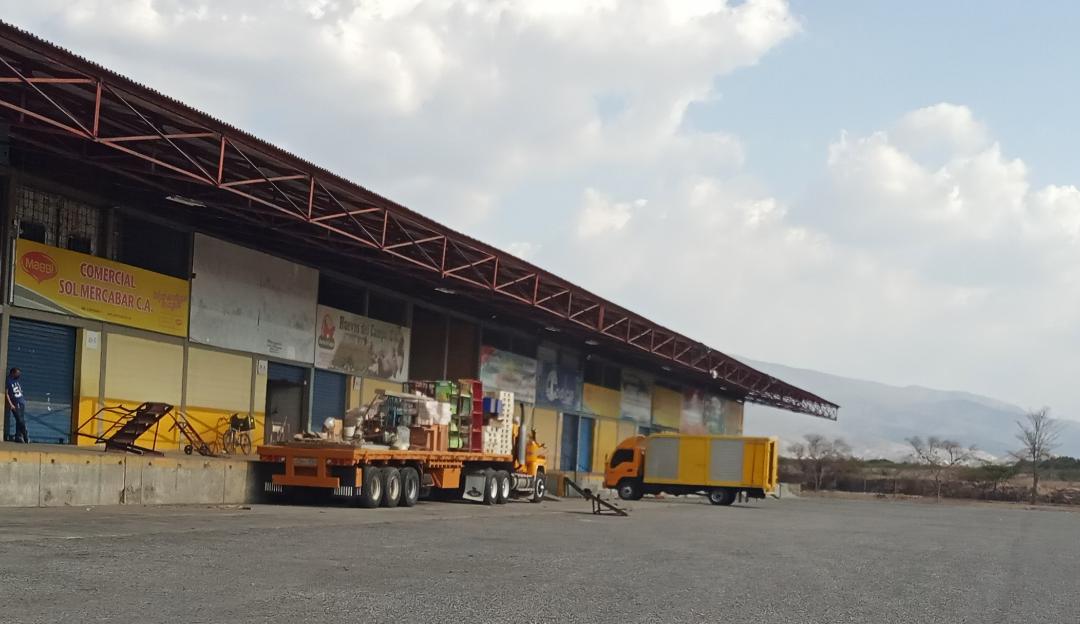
(16, 403)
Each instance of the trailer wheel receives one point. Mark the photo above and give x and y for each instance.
(370, 487)
(721, 496)
(391, 482)
(503, 479)
(539, 487)
(410, 487)
(630, 489)
(491, 487)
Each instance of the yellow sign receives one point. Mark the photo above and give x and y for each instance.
(68, 282)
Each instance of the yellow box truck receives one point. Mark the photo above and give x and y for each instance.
(716, 466)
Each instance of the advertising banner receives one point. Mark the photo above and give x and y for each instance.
(509, 372)
(636, 396)
(361, 346)
(68, 282)
(250, 301)
(560, 380)
(693, 412)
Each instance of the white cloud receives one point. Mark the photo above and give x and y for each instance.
(948, 127)
(600, 215)
(523, 249)
(954, 273)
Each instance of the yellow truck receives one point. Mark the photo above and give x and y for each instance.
(716, 466)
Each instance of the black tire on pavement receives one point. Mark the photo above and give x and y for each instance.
(539, 488)
(630, 489)
(722, 496)
(370, 487)
(491, 487)
(391, 490)
(410, 486)
(503, 479)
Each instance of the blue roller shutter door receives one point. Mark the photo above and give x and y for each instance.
(283, 372)
(46, 355)
(584, 444)
(328, 397)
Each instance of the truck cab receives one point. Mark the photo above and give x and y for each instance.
(624, 467)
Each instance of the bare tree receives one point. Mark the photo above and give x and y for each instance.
(817, 455)
(939, 456)
(1039, 435)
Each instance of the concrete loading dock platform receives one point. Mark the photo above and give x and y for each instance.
(49, 475)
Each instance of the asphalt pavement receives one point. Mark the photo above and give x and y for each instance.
(789, 561)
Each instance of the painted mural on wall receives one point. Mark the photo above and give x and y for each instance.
(509, 372)
(67, 282)
(361, 346)
(251, 301)
(693, 412)
(713, 414)
(636, 396)
(560, 380)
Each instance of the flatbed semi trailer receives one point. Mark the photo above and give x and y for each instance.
(374, 477)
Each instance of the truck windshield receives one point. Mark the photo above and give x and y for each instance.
(621, 456)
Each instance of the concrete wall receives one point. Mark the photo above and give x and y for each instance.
(601, 401)
(733, 417)
(370, 385)
(30, 478)
(545, 423)
(88, 360)
(219, 385)
(604, 440)
(138, 370)
(666, 407)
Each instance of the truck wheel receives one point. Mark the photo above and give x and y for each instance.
(503, 478)
(370, 487)
(491, 487)
(539, 488)
(630, 489)
(391, 482)
(721, 496)
(410, 487)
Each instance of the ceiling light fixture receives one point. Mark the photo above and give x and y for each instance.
(186, 201)
(446, 291)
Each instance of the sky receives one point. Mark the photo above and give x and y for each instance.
(879, 190)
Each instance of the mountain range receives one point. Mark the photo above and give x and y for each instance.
(876, 418)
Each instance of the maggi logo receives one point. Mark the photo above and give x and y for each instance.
(38, 265)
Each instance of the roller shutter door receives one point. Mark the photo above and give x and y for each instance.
(283, 372)
(46, 355)
(327, 398)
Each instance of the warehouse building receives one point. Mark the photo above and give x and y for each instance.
(154, 253)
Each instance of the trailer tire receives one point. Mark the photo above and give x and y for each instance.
(630, 489)
(391, 482)
(491, 487)
(410, 486)
(721, 496)
(371, 490)
(539, 488)
(503, 479)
